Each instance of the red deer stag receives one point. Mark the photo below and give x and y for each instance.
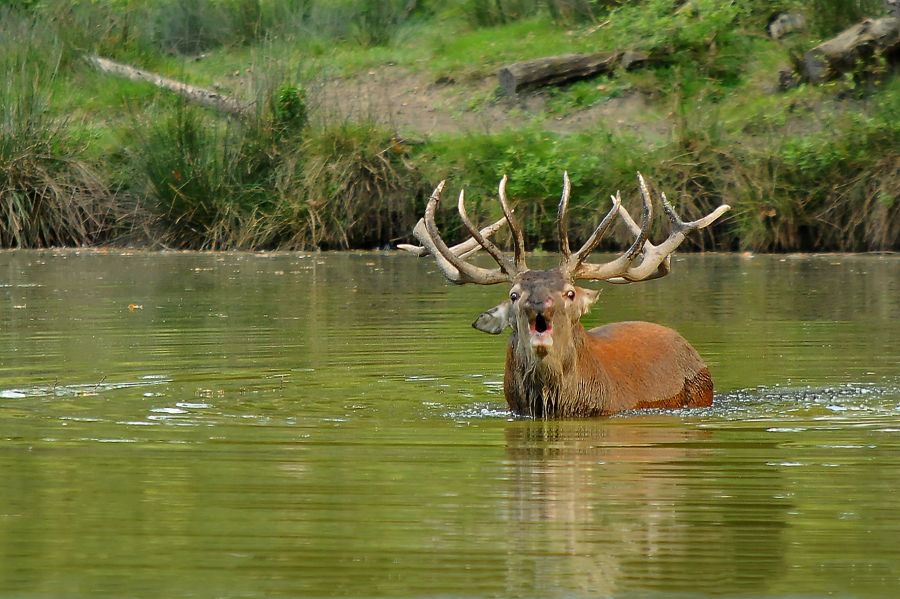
(554, 368)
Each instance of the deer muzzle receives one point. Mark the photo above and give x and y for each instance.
(540, 330)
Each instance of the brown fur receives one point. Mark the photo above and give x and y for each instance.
(652, 366)
(556, 369)
(617, 367)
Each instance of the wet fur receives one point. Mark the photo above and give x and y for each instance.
(620, 366)
(559, 370)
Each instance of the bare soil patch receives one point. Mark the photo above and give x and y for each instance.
(412, 104)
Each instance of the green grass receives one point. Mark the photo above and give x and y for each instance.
(478, 53)
(105, 159)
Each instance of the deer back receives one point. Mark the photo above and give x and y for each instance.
(554, 368)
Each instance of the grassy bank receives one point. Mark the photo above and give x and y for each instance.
(87, 159)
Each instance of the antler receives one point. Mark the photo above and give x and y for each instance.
(655, 261)
(451, 261)
(463, 250)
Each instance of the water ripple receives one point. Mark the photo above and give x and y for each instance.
(56, 390)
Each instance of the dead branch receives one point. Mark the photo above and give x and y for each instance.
(198, 95)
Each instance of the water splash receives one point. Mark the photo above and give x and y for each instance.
(480, 411)
(57, 390)
(844, 401)
(849, 400)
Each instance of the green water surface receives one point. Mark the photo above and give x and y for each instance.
(301, 425)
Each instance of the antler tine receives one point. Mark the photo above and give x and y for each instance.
(451, 266)
(463, 250)
(656, 260)
(506, 265)
(656, 256)
(634, 229)
(574, 262)
(471, 245)
(562, 220)
(518, 238)
(646, 219)
(621, 264)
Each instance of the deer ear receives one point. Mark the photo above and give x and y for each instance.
(585, 298)
(496, 319)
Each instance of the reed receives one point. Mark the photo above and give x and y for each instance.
(357, 189)
(48, 195)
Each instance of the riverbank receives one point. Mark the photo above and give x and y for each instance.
(359, 109)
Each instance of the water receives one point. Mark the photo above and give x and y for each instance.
(237, 425)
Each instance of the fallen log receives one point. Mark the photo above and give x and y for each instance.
(843, 54)
(555, 69)
(198, 95)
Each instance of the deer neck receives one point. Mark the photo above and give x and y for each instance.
(564, 384)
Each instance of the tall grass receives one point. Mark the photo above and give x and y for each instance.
(834, 187)
(217, 183)
(832, 17)
(489, 13)
(351, 185)
(191, 27)
(359, 188)
(598, 163)
(270, 182)
(202, 181)
(48, 196)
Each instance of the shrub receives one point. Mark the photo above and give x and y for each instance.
(289, 109)
(357, 188)
(209, 180)
(48, 196)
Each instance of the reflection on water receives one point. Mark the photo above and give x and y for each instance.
(322, 425)
(653, 507)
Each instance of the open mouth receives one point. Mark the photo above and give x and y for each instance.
(541, 339)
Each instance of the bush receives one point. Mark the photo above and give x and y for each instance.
(48, 196)
(210, 180)
(358, 189)
(289, 109)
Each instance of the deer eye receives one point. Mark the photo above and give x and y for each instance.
(513, 296)
(570, 294)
